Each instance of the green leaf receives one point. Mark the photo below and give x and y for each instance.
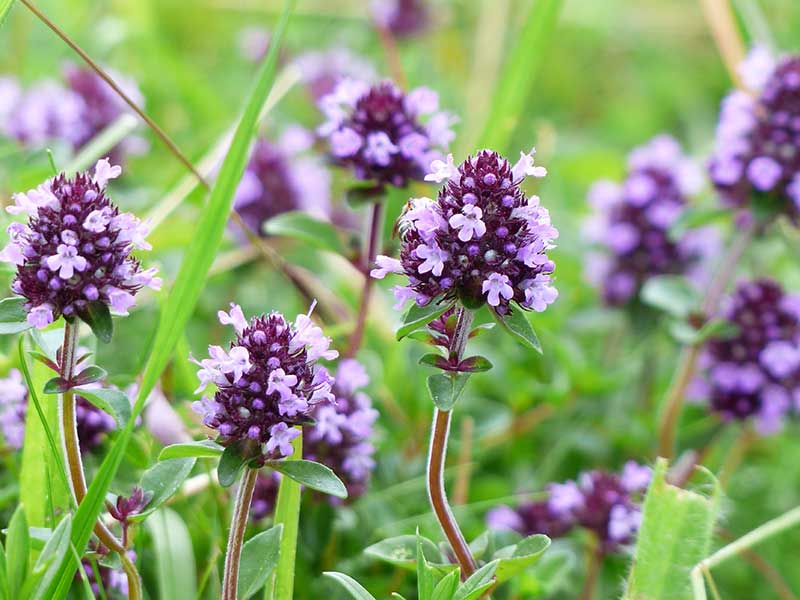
(426, 579)
(446, 388)
(12, 313)
(419, 316)
(182, 298)
(114, 402)
(201, 449)
(355, 589)
(693, 217)
(56, 385)
(5, 8)
(312, 475)
(98, 316)
(475, 364)
(401, 551)
(674, 536)
(359, 195)
(3, 574)
(259, 557)
(55, 553)
(302, 226)
(688, 335)
(17, 549)
(518, 76)
(480, 581)
(515, 559)
(672, 294)
(481, 329)
(162, 480)
(434, 360)
(231, 463)
(553, 571)
(517, 324)
(287, 513)
(174, 557)
(91, 374)
(446, 587)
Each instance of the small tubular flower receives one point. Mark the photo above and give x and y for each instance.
(266, 382)
(481, 240)
(383, 134)
(76, 248)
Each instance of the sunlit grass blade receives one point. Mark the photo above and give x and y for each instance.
(287, 513)
(518, 76)
(182, 297)
(175, 564)
(5, 8)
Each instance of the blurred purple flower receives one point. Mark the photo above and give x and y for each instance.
(404, 18)
(757, 149)
(322, 70)
(604, 503)
(632, 222)
(13, 405)
(756, 372)
(76, 248)
(282, 177)
(482, 240)
(383, 134)
(266, 382)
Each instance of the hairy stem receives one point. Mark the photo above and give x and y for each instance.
(241, 512)
(72, 454)
(673, 404)
(593, 568)
(373, 242)
(436, 460)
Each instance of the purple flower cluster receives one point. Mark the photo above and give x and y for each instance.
(114, 582)
(266, 382)
(340, 439)
(404, 18)
(341, 436)
(322, 70)
(757, 150)
(481, 240)
(13, 406)
(280, 178)
(379, 131)
(76, 248)
(632, 222)
(756, 372)
(606, 504)
(74, 113)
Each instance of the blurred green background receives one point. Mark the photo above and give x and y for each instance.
(613, 74)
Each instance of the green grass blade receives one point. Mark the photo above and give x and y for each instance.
(175, 565)
(183, 296)
(287, 513)
(516, 82)
(675, 535)
(5, 8)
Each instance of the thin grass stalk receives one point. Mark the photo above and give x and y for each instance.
(241, 512)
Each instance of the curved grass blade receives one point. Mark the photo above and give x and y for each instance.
(182, 298)
(519, 73)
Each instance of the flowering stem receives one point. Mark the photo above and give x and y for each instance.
(722, 23)
(683, 376)
(241, 511)
(594, 566)
(287, 513)
(72, 453)
(390, 51)
(436, 460)
(373, 237)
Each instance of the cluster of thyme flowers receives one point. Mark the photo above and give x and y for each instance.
(266, 382)
(379, 131)
(76, 248)
(481, 240)
(756, 372)
(322, 70)
(74, 113)
(279, 178)
(604, 503)
(632, 222)
(340, 438)
(404, 18)
(757, 151)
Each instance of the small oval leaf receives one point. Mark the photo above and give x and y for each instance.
(515, 559)
(419, 316)
(446, 388)
(517, 324)
(200, 449)
(259, 557)
(113, 402)
(312, 475)
(355, 589)
(90, 374)
(56, 385)
(475, 364)
(97, 316)
(231, 462)
(672, 294)
(162, 480)
(13, 316)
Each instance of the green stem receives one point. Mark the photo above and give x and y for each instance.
(287, 513)
(758, 535)
(241, 511)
